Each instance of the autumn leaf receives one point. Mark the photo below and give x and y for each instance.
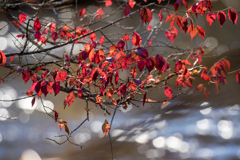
(101, 40)
(201, 32)
(22, 18)
(131, 3)
(136, 39)
(99, 13)
(121, 45)
(108, 3)
(70, 98)
(82, 12)
(238, 77)
(114, 102)
(26, 75)
(126, 37)
(93, 36)
(144, 98)
(232, 15)
(61, 124)
(105, 127)
(171, 34)
(145, 15)
(149, 64)
(56, 87)
(127, 10)
(221, 17)
(98, 99)
(205, 92)
(205, 76)
(33, 101)
(210, 18)
(140, 65)
(160, 15)
(178, 66)
(66, 127)
(2, 58)
(56, 115)
(37, 25)
(168, 92)
(54, 36)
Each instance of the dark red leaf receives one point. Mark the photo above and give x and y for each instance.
(54, 36)
(56, 115)
(116, 77)
(44, 86)
(144, 98)
(232, 15)
(127, 10)
(142, 52)
(221, 17)
(56, 87)
(140, 65)
(145, 15)
(159, 62)
(37, 35)
(178, 66)
(33, 101)
(94, 74)
(121, 45)
(238, 77)
(149, 64)
(26, 76)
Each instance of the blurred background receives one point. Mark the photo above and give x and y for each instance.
(188, 127)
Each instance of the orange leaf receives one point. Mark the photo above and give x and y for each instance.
(99, 99)
(105, 127)
(2, 58)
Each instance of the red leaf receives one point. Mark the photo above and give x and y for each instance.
(199, 88)
(116, 77)
(37, 25)
(210, 18)
(101, 40)
(205, 92)
(33, 101)
(56, 87)
(93, 37)
(99, 13)
(70, 98)
(168, 92)
(144, 98)
(26, 76)
(56, 116)
(2, 58)
(105, 127)
(205, 76)
(82, 12)
(37, 35)
(160, 15)
(172, 22)
(159, 62)
(201, 32)
(178, 66)
(52, 27)
(136, 39)
(227, 63)
(54, 36)
(29, 93)
(121, 45)
(142, 52)
(140, 65)
(63, 75)
(94, 74)
(192, 30)
(145, 15)
(238, 77)
(221, 17)
(127, 10)
(149, 64)
(44, 86)
(169, 17)
(114, 101)
(232, 15)
(22, 18)
(131, 3)
(126, 37)
(12, 58)
(159, 1)
(108, 3)
(150, 42)
(171, 34)
(16, 23)
(80, 93)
